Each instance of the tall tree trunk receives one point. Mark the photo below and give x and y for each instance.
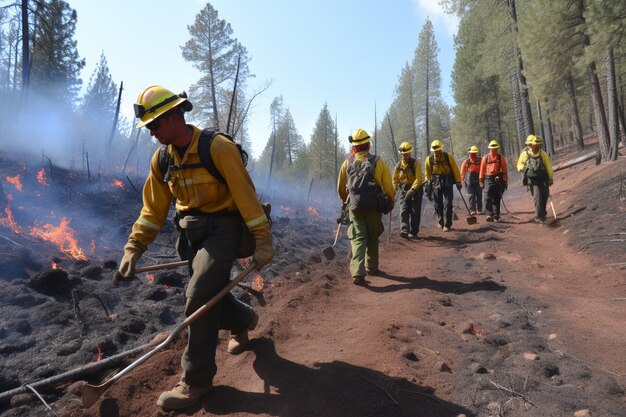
(519, 122)
(612, 104)
(542, 131)
(393, 141)
(549, 137)
(499, 122)
(269, 175)
(115, 119)
(521, 78)
(25, 50)
(598, 111)
(571, 91)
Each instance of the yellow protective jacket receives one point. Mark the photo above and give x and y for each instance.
(403, 175)
(545, 158)
(197, 189)
(381, 176)
(441, 167)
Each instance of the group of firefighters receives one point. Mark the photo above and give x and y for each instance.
(217, 207)
(365, 183)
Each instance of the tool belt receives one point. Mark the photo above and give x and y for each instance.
(195, 226)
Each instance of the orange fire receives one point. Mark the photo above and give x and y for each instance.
(41, 177)
(118, 183)
(54, 265)
(257, 282)
(9, 221)
(62, 235)
(314, 214)
(16, 182)
(99, 357)
(150, 277)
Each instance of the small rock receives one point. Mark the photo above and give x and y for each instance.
(20, 399)
(530, 356)
(441, 366)
(444, 301)
(76, 388)
(484, 255)
(477, 368)
(552, 336)
(419, 333)
(410, 355)
(582, 413)
(466, 328)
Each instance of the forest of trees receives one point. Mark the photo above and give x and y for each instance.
(554, 68)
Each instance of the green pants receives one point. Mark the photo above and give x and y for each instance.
(363, 232)
(210, 272)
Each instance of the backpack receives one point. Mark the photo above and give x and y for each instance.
(364, 193)
(535, 170)
(166, 164)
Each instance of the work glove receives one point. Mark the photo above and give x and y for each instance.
(126, 270)
(481, 184)
(409, 195)
(263, 252)
(498, 180)
(459, 186)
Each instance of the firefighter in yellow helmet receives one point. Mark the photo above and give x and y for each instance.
(407, 179)
(442, 173)
(213, 215)
(364, 185)
(494, 178)
(536, 166)
(469, 176)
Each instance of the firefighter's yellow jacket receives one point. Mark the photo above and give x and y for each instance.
(441, 167)
(403, 175)
(545, 158)
(197, 189)
(381, 176)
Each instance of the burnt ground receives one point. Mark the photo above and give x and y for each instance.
(506, 319)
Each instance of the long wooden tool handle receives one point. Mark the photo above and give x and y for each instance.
(337, 234)
(170, 265)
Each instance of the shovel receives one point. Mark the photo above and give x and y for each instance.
(470, 219)
(329, 252)
(91, 393)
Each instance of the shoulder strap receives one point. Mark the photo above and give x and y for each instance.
(204, 151)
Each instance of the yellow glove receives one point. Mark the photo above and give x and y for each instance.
(263, 252)
(126, 270)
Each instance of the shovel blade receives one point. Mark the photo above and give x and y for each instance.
(91, 393)
(471, 220)
(329, 253)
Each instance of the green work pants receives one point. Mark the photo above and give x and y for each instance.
(363, 232)
(210, 272)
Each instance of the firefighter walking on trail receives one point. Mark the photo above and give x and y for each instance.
(442, 172)
(470, 169)
(407, 180)
(494, 178)
(536, 166)
(364, 184)
(214, 215)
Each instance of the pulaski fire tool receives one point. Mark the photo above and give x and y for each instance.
(470, 219)
(329, 252)
(91, 393)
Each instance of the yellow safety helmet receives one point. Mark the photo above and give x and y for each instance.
(473, 149)
(155, 100)
(405, 148)
(537, 141)
(494, 145)
(436, 145)
(359, 137)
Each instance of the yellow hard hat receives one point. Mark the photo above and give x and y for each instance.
(473, 149)
(405, 148)
(436, 145)
(537, 141)
(155, 100)
(494, 145)
(530, 139)
(359, 137)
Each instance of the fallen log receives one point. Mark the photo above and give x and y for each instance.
(591, 155)
(74, 374)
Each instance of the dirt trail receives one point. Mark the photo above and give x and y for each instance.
(508, 319)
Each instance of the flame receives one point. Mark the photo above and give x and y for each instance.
(62, 235)
(9, 221)
(167, 286)
(118, 183)
(9, 197)
(41, 177)
(54, 265)
(313, 213)
(99, 357)
(150, 277)
(257, 282)
(16, 182)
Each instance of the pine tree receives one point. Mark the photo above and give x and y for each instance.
(321, 149)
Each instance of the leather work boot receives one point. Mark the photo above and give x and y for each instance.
(182, 396)
(238, 342)
(359, 280)
(404, 235)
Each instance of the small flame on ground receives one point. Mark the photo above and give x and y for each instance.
(118, 183)
(54, 265)
(257, 282)
(41, 177)
(9, 221)
(314, 213)
(16, 182)
(62, 235)
(99, 357)
(150, 277)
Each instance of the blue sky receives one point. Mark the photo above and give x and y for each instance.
(346, 53)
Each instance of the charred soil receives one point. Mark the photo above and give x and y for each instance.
(493, 319)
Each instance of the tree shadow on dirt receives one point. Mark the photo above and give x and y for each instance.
(450, 287)
(328, 389)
